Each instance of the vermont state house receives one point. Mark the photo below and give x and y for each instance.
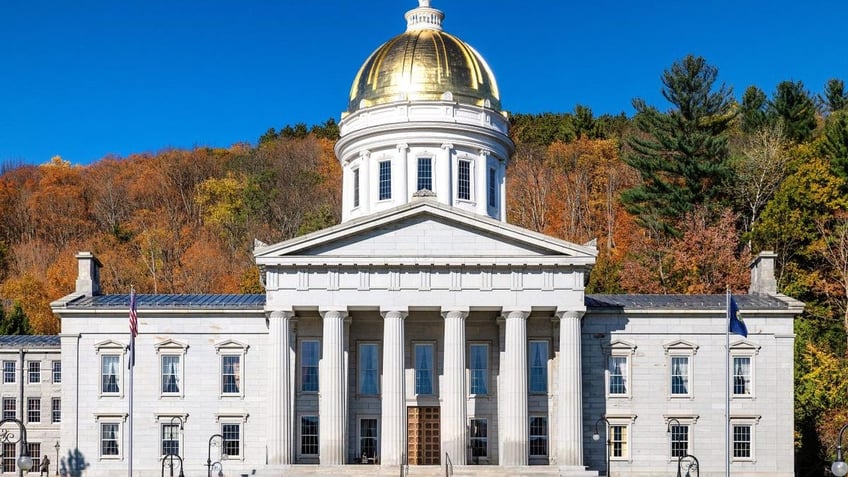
(426, 330)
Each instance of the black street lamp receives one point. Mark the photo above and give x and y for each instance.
(692, 465)
(171, 465)
(57, 447)
(839, 467)
(209, 464)
(6, 436)
(597, 436)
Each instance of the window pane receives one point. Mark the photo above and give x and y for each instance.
(170, 374)
(310, 353)
(230, 374)
(368, 371)
(56, 410)
(34, 410)
(538, 361)
(34, 372)
(423, 369)
(232, 439)
(479, 438)
(538, 436)
(109, 373)
(8, 371)
(109, 439)
(57, 372)
(742, 375)
(618, 441)
(618, 375)
(464, 183)
(170, 439)
(385, 180)
(742, 441)
(309, 435)
(680, 375)
(368, 438)
(9, 408)
(492, 195)
(479, 368)
(425, 173)
(9, 456)
(679, 441)
(356, 187)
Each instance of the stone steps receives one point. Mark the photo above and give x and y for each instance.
(423, 471)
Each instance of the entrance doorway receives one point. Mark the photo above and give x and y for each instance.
(424, 446)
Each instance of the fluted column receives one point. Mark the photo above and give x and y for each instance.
(401, 177)
(570, 405)
(453, 392)
(393, 435)
(444, 179)
(332, 399)
(282, 422)
(513, 428)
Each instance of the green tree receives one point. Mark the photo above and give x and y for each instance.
(16, 323)
(835, 97)
(793, 105)
(752, 111)
(834, 144)
(681, 155)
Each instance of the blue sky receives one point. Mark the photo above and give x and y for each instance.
(88, 78)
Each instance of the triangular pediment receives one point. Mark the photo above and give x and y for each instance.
(426, 230)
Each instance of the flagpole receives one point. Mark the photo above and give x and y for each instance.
(133, 332)
(727, 386)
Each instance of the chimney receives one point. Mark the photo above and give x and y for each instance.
(88, 276)
(762, 274)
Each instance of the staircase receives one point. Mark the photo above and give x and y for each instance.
(423, 471)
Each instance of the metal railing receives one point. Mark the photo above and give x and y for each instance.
(448, 466)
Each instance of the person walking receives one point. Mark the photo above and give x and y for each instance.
(44, 469)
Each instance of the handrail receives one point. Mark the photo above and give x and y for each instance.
(448, 466)
(402, 459)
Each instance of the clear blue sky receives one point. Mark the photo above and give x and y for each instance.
(87, 78)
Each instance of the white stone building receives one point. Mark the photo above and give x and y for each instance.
(424, 329)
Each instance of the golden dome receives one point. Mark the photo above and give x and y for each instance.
(424, 63)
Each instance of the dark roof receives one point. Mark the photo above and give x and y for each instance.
(684, 302)
(172, 301)
(29, 341)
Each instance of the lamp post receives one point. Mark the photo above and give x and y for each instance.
(57, 447)
(839, 467)
(671, 436)
(171, 457)
(692, 465)
(209, 464)
(6, 436)
(597, 436)
(170, 454)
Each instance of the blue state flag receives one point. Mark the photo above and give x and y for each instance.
(737, 326)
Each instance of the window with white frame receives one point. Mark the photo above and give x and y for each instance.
(385, 180)
(368, 438)
(309, 435)
(171, 373)
(170, 439)
(538, 363)
(425, 173)
(369, 371)
(478, 364)
(620, 354)
(680, 355)
(742, 376)
(619, 443)
(464, 180)
(538, 436)
(310, 354)
(479, 435)
(57, 371)
(492, 196)
(10, 408)
(743, 442)
(110, 439)
(33, 410)
(9, 371)
(423, 368)
(34, 449)
(356, 187)
(678, 439)
(56, 410)
(9, 457)
(34, 372)
(680, 376)
(110, 371)
(231, 448)
(232, 355)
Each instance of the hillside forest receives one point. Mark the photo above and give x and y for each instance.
(679, 197)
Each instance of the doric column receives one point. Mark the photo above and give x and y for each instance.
(281, 420)
(481, 182)
(365, 182)
(570, 405)
(444, 179)
(401, 177)
(513, 368)
(332, 399)
(454, 412)
(393, 435)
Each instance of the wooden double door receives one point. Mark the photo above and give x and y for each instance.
(424, 438)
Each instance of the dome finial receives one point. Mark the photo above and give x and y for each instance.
(424, 17)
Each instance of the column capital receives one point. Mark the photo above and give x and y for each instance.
(365, 153)
(447, 145)
(459, 312)
(485, 152)
(333, 313)
(401, 313)
(402, 146)
(515, 313)
(563, 313)
(280, 314)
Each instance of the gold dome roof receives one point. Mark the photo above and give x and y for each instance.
(424, 63)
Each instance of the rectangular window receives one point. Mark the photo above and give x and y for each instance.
(742, 376)
(232, 440)
(57, 372)
(679, 440)
(356, 187)
(479, 366)
(493, 188)
(423, 369)
(479, 438)
(618, 441)
(56, 409)
(385, 180)
(170, 374)
(10, 408)
(34, 372)
(109, 438)
(618, 375)
(310, 353)
(33, 410)
(368, 438)
(9, 457)
(34, 449)
(109, 369)
(464, 180)
(680, 375)
(9, 371)
(538, 362)
(309, 435)
(170, 439)
(425, 173)
(742, 442)
(538, 436)
(230, 374)
(369, 372)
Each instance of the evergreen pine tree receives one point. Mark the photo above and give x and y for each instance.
(753, 109)
(834, 145)
(14, 323)
(835, 96)
(681, 155)
(793, 105)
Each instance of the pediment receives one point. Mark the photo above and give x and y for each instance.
(426, 230)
